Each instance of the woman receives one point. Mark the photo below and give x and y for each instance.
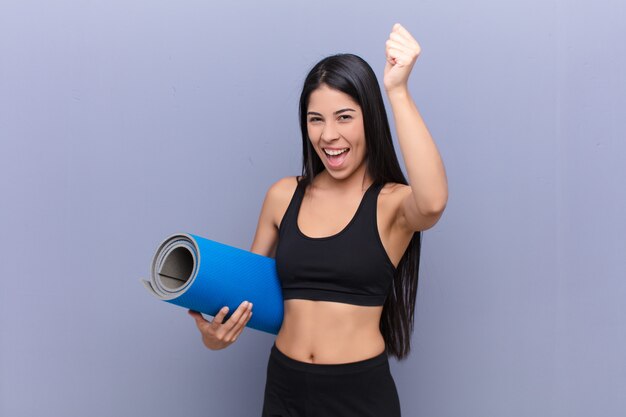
(346, 238)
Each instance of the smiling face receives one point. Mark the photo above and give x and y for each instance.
(335, 126)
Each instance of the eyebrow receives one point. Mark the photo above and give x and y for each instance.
(335, 113)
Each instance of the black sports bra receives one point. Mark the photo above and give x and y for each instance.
(351, 266)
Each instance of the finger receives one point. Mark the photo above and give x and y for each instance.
(242, 318)
(391, 56)
(400, 57)
(201, 322)
(410, 47)
(239, 326)
(403, 40)
(401, 35)
(404, 32)
(401, 60)
(243, 326)
(397, 45)
(219, 317)
(197, 316)
(232, 321)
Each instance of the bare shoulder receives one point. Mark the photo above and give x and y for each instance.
(280, 194)
(275, 204)
(285, 185)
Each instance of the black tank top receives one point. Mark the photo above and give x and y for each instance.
(351, 266)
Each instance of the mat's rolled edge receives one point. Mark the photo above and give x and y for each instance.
(148, 286)
(155, 285)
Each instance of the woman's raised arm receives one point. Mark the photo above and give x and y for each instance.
(423, 206)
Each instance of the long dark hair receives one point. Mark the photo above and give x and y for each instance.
(350, 74)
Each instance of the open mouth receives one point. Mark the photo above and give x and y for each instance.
(336, 157)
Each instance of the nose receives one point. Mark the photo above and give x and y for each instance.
(329, 132)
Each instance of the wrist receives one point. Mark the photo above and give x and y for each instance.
(397, 92)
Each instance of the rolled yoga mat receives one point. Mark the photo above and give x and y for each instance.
(204, 275)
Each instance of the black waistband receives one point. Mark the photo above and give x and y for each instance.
(330, 368)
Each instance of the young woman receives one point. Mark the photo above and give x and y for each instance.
(346, 238)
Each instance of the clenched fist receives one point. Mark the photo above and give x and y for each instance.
(401, 50)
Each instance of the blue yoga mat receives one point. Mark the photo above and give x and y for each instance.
(203, 275)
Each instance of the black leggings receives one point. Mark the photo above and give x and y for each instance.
(301, 389)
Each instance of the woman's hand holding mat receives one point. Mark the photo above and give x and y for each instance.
(218, 335)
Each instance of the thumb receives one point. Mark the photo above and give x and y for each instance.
(197, 317)
(388, 65)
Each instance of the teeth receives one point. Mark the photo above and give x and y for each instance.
(330, 152)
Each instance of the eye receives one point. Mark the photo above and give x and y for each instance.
(346, 117)
(314, 119)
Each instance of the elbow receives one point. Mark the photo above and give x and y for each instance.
(434, 215)
(436, 207)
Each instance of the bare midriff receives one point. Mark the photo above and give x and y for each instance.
(326, 332)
